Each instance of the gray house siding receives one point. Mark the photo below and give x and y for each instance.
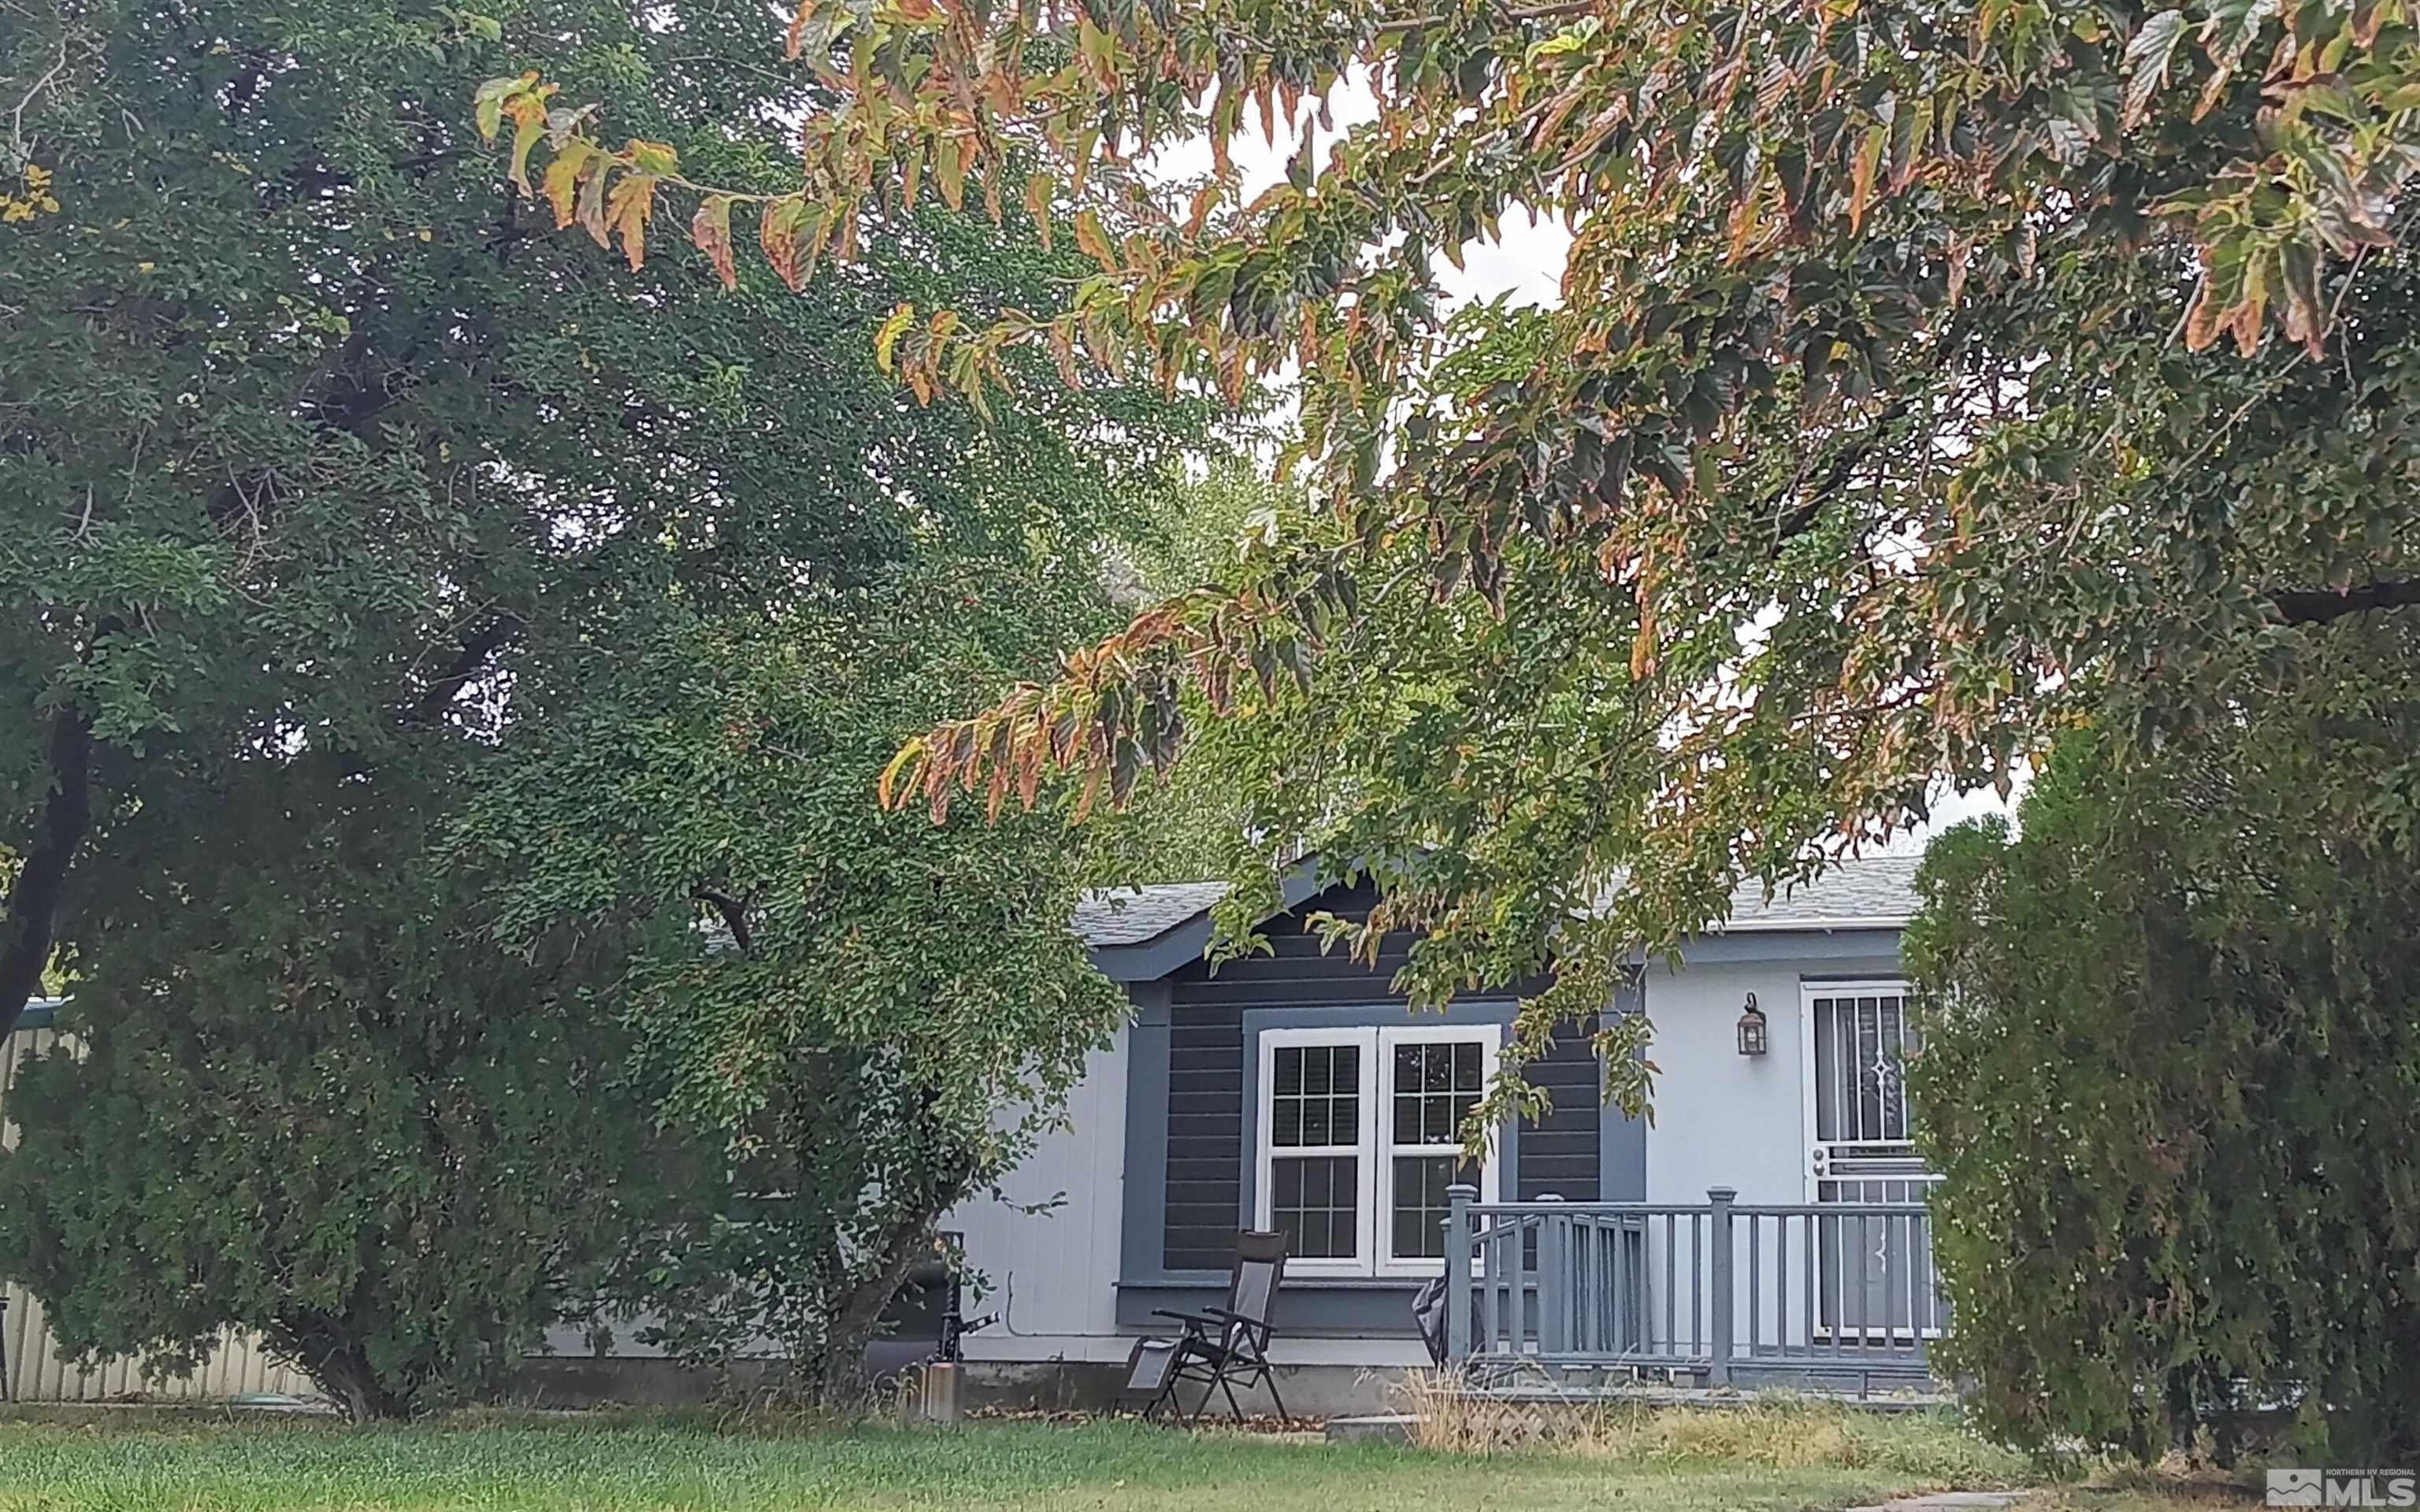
(1205, 1160)
(1563, 1154)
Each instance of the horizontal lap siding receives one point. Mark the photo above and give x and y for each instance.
(1560, 1153)
(1205, 1130)
(1207, 1116)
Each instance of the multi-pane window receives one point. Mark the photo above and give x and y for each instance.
(1361, 1134)
(1317, 1095)
(1315, 1140)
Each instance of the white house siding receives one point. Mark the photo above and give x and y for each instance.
(1063, 1264)
(1052, 1276)
(34, 1371)
(1723, 1119)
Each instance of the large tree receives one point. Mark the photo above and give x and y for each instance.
(1912, 395)
(356, 521)
(308, 1098)
(312, 442)
(883, 1014)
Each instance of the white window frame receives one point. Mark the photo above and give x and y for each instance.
(1374, 1149)
(1490, 1038)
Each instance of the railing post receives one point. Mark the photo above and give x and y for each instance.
(1554, 1278)
(1459, 1293)
(1719, 1277)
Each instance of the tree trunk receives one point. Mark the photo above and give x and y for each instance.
(841, 1378)
(343, 1371)
(31, 925)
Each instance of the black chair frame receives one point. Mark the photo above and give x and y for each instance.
(1224, 1348)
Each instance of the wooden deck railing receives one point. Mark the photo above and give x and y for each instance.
(1716, 1290)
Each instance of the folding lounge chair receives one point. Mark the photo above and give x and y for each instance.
(1221, 1348)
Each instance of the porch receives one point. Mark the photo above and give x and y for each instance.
(1577, 1297)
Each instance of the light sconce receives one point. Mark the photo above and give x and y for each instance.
(1751, 1028)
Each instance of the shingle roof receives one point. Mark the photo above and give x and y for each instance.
(1869, 892)
(1129, 915)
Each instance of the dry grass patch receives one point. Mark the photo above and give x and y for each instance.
(2174, 1487)
(1774, 1431)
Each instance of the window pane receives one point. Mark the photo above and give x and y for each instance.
(1315, 1096)
(1870, 1069)
(1894, 1051)
(1318, 1184)
(1285, 1123)
(1312, 1201)
(1418, 1222)
(1344, 1231)
(1285, 1184)
(1437, 1082)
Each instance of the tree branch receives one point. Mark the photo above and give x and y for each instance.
(467, 663)
(734, 911)
(32, 921)
(2309, 605)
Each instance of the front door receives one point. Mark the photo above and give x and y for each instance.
(1874, 1273)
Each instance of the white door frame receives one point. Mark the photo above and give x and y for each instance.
(1817, 1157)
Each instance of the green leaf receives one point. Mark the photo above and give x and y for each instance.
(488, 101)
(654, 157)
(2147, 52)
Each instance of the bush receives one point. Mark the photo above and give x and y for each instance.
(2169, 1075)
(313, 1104)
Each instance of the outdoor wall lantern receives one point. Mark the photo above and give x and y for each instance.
(1751, 1028)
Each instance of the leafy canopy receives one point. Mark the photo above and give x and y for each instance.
(398, 578)
(308, 1098)
(882, 1016)
(1914, 395)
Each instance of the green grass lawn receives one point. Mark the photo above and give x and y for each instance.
(1791, 1461)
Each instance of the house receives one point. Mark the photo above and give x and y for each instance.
(1295, 1092)
(1768, 1219)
